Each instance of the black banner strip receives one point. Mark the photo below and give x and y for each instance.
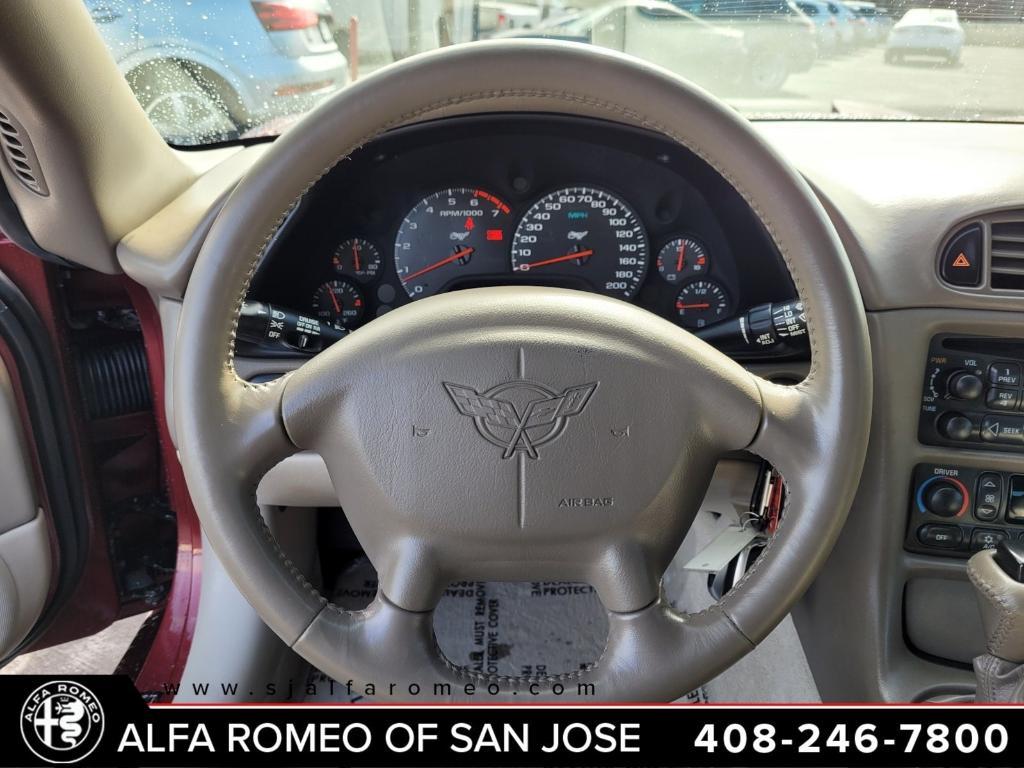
(104, 721)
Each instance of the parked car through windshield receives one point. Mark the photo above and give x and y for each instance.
(204, 79)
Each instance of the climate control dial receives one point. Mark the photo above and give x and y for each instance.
(943, 496)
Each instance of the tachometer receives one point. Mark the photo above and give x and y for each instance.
(583, 233)
(452, 234)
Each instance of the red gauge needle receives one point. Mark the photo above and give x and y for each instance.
(693, 306)
(447, 260)
(556, 260)
(682, 253)
(355, 256)
(334, 300)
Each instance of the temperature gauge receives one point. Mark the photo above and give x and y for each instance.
(357, 258)
(339, 303)
(701, 303)
(681, 259)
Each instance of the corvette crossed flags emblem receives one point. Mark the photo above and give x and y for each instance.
(502, 423)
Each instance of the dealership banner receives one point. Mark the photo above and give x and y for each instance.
(103, 721)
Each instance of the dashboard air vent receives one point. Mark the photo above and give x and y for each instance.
(1007, 248)
(19, 154)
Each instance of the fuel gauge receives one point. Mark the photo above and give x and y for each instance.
(701, 303)
(357, 258)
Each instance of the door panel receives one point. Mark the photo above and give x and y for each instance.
(25, 569)
(25, 565)
(19, 504)
(57, 557)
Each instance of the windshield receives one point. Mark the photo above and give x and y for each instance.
(218, 70)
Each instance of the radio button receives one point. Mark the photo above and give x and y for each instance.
(1008, 430)
(1004, 374)
(956, 426)
(965, 386)
(1001, 399)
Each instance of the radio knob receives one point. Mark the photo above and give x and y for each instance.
(955, 426)
(965, 386)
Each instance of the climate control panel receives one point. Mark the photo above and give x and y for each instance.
(956, 511)
(972, 395)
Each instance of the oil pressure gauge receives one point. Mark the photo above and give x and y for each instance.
(357, 258)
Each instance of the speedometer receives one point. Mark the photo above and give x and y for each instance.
(583, 233)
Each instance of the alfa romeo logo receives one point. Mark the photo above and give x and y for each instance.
(62, 722)
(520, 416)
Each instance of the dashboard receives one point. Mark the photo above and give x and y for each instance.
(908, 619)
(518, 199)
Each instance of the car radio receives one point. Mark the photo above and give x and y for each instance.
(972, 393)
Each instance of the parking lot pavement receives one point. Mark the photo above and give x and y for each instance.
(987, 83)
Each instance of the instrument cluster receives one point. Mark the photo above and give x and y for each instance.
(531, 200)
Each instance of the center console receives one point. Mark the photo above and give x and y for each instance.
(971, 399)
(956, 511)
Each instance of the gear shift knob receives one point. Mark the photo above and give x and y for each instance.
(1010, 558)
(997, 576)
(1001, 599)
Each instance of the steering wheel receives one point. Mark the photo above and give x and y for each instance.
(522, 433)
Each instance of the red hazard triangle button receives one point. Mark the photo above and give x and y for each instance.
(960, 261)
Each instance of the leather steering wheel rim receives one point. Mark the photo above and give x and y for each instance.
(231, 432)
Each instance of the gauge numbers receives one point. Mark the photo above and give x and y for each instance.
(450, 235)
(681, 259)
(339, 303)
(584, 234)
(357, 258)
(701, 303)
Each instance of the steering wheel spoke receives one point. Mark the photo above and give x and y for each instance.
(658, 654)
(260, 439)
(382, 645)
(724, 397)
(788, 438)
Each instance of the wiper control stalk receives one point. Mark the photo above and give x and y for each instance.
(767, 328)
